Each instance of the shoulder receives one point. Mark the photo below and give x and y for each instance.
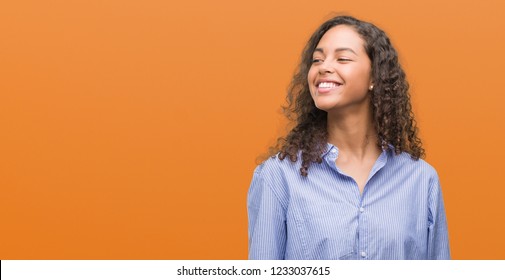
(419, 167)
(417, 174)
(272, 177)
(275, 170)
(274, 166)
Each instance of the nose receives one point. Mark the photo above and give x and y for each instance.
(326, 68)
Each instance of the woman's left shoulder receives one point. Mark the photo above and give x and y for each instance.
(420, 166)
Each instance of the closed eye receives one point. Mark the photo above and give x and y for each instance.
(344, 59)
(317, 60)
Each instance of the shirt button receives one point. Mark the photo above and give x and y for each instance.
(333, 151)
(361, 209)
(363, 254)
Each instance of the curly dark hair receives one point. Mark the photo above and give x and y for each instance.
(393, 118)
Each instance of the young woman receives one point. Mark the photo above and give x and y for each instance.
(347, 181)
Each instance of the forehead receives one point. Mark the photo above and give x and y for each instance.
(341, 36)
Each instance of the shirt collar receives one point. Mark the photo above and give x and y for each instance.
(331, 147)
(331, 155)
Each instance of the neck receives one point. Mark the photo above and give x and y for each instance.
(353, 133)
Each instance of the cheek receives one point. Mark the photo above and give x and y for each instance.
(360, 78)
(310, 78)
(311, 75)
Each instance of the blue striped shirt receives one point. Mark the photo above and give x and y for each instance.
(399, 215)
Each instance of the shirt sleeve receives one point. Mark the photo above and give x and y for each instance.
(267, 221)
(438, 239)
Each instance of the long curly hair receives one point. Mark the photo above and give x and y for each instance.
(393, 118)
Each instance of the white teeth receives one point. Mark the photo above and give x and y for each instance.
(327, 85)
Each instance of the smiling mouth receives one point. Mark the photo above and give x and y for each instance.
(324, 86)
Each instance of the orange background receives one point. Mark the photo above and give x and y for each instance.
(130, 129)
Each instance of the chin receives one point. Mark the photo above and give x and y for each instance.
(324, 107)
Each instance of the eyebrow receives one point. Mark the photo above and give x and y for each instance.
(336, 50)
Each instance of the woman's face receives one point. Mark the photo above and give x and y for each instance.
(339, 77)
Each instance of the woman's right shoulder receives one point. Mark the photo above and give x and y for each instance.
(273, 175)
(274, 167)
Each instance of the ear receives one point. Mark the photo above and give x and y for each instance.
(371, 82)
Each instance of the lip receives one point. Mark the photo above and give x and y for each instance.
(328, 81)
(326, 90)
